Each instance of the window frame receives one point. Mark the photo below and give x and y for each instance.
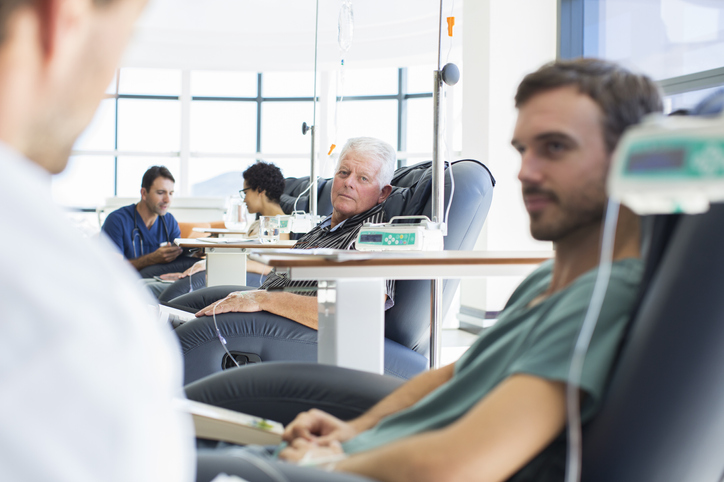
(184, 152)
(575, 16)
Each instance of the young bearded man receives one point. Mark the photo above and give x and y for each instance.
(499, 412)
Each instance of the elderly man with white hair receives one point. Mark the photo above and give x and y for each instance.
(361, 184)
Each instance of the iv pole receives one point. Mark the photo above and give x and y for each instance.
(313, 169)
(450, 75)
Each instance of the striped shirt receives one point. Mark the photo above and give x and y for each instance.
(342, 236)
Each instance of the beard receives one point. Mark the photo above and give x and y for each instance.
(565, 216)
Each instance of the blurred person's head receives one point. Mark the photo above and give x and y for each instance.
(57, 57)
(157, 189)
(362, 177)
(571, 115)
(263, 184)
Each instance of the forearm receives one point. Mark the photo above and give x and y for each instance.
(302, 309)
(142, 261)
(415, 459)
(405, 396)
(505, 430)
(257, 267)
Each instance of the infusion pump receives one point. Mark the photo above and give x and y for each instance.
(670, 165)
(421, 235)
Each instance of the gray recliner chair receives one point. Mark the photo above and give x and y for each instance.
(255, 337)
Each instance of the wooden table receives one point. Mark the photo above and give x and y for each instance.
(351, 291)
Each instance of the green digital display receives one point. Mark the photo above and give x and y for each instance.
(387, 238)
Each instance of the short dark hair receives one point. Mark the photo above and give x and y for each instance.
(8, 7)
(263, 176)
(153, 173)
(624, 97)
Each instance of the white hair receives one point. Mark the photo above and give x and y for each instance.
(382, 152)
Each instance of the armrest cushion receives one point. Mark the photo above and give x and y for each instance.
(280, 390)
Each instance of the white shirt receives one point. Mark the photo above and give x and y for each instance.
(87, 375)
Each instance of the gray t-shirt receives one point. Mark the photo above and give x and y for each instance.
(534, 340)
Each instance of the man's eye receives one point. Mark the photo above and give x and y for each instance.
(364, 179)
(555, 147)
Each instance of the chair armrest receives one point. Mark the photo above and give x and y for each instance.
(280, 390)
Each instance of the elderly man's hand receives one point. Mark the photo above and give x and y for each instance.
(236, 302)
(195, 268)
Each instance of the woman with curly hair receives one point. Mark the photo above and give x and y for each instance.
(263, 187)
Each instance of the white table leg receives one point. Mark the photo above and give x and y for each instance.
(352, 324)
(225, 268)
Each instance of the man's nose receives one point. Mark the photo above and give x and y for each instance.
(530, 168)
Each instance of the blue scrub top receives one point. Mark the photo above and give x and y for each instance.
(120, 227)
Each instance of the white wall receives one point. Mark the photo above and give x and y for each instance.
(502, 41)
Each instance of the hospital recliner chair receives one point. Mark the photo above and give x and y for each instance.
(663, 414)
(267, 337)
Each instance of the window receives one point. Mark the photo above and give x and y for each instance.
(679, 43)
(210, 126)
(663, 38)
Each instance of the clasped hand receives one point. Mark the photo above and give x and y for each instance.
(236, 302)
(315, 434)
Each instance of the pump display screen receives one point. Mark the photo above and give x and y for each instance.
(659, 160)
(370, 238)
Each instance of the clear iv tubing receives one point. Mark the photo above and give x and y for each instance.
(573, 464)
(218, 333)
(452, 191)
(302, 193)
(449, 163)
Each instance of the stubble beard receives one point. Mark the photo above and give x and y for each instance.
(571, 217)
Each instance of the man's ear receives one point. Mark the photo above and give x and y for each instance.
(143, 193)
(384, 194)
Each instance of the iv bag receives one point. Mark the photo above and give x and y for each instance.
(345, 26)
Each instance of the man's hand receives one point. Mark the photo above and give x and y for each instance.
(166, 254)
(318, 426)
(304, 450)
(237, 302)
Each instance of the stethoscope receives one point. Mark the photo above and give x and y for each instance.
(136, 233)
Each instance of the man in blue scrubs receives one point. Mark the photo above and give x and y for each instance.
(144, 232)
